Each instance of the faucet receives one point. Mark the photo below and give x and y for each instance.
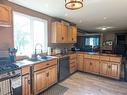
(38, 44)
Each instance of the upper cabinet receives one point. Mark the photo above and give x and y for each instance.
(72, 34)
(62, 33)
(5, 16)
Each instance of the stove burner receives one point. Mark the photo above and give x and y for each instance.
(7, 67)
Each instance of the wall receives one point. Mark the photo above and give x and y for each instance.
(6, 34)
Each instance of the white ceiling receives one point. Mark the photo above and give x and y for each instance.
(95, 15)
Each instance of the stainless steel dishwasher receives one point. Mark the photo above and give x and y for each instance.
(63, 68)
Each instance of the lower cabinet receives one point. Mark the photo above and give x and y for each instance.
(73, 63)
(44, 78)
(91, 66)
(26, 85)
(110, 69)
(52, 75)
(40, 80)
(80, 62)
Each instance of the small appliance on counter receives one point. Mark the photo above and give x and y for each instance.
(12, 54)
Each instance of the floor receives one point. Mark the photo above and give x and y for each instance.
(86, 84)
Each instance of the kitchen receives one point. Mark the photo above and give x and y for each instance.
(66, 58)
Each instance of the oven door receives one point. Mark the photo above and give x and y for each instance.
(16, 85)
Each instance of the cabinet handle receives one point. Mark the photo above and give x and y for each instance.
(109, 66)
(90, 63)
(72, 39)
(28, 81)
(47, 64)
(62, 38)
(47, 74)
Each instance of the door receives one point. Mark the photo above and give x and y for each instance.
(52, 78)
(64, 33)
(80, 60)
(70, 35)
(74, 34)
(104, 68)
(56, 32)
(114, 70)
(88, 65)
(40, 81)
(95, 66)
(26, 85)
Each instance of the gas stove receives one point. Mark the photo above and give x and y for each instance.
(8, 69)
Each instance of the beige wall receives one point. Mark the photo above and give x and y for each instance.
(6, 34)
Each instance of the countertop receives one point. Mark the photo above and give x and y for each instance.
(27, 62)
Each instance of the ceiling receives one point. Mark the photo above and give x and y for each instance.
(95, 15)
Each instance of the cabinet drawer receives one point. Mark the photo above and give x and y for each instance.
(46, 64)
(25, 70)
(115, 59)
(87, 56)
(73, 69)
(95, 57)
(105, 58)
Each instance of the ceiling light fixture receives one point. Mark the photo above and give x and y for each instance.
(73, 4)
(104, 28)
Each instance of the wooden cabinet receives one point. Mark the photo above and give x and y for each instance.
(73, 63)
(45, 75)
(114, 70)
(80, 62)
(59, 33)
(5, 16)
(56, 32)
(62, 33)
(95, 66)
(52, 75)
(91, 66)
(87, 65)
(25, 80)
(40, 81)
(72, 34)
(110, 69)
(26, 85)
(104, 65)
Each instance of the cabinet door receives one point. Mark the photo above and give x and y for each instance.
(95, 66)
(104, 68)
(114, 70)
(64, 33)
(5, 15)
(40, 81)
(80, 60)
(26, 85)
(56, 32)
(74, 34)
(70, 35)
(88, 65)
(52, 75)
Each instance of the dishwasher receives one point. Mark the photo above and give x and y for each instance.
(63, 68)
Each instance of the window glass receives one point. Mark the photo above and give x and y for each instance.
(28, 32)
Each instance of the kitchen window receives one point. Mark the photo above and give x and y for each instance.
(28, 32)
